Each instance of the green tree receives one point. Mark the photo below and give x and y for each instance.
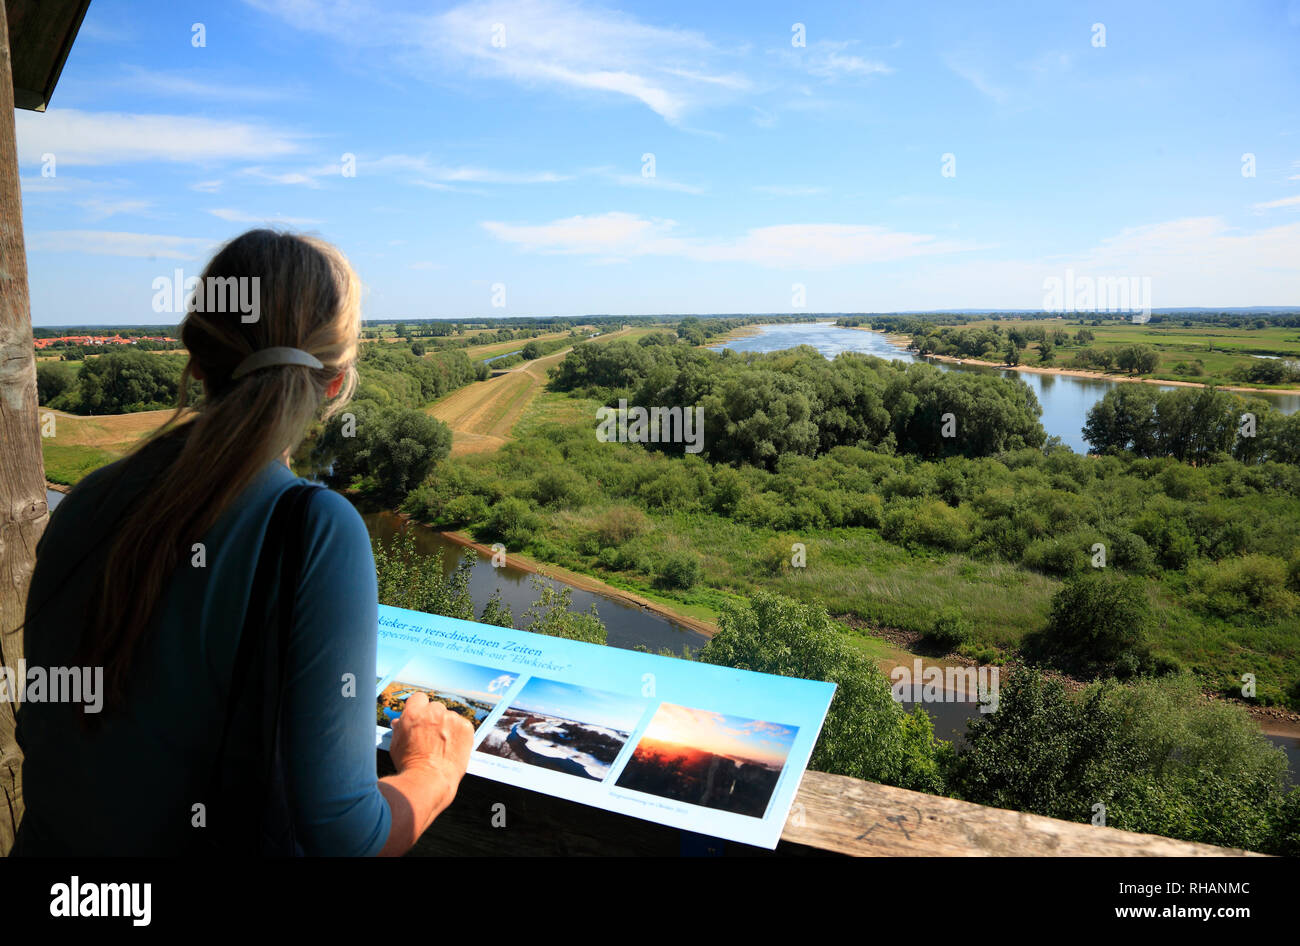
(552, 614)
(1099, 623)
(1040, 752)
(384, 451)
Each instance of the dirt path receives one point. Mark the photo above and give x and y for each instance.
(482, 414)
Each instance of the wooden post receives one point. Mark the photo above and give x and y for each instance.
(23, 512)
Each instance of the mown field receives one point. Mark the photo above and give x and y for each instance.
(81, 445)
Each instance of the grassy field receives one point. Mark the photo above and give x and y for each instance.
(479, 352)
(850, 571)
(1218, 349)
(83, 444)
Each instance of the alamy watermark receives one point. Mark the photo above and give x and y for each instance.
(935, 684)
(24, 684)
(637, 424)
(240, 294)
(1098, 294)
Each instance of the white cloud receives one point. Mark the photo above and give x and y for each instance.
(116, 243)
(191, 85)
(239, 216)
(1194, 248)
(91, 138)
(977, 77)
(44, 185)
(1198, 261)
(100, 209)
(777, 190)
(306, 178)
(562, 44)
(1283, 202)
(829, 60)
(640, 180)
(429, 172)
(812, 246)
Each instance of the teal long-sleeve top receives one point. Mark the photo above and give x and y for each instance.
(129, 785)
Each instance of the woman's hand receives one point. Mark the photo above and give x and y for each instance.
(427, 735)
(430, 748)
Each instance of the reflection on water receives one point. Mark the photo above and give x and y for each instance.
(1065, 399)
(627, 624)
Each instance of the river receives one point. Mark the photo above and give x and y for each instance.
(1065, 399)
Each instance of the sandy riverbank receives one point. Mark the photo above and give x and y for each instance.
(904, 342)
(743, 332)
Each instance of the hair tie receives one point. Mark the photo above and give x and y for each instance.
(267, 357)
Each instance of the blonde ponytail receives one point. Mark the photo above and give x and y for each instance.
(307, 297)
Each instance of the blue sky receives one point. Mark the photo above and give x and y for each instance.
(441, 673)
(583, 704)
(521, 163)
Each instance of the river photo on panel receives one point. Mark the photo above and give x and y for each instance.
(566, 728)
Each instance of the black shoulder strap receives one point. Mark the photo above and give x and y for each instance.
(278, 834)
(259, 669)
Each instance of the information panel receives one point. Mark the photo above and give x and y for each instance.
(705, 748)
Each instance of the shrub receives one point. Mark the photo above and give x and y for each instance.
(559, 486)
(679, 570)
(1251, 585)
(463, 510)
(1128, 551)
(552, 614)
(1098, 625)
(1158, 756)
(777, 554)
(619, 524)
(513, 521)
(1063, 556)
(931, 522)
(950, 630)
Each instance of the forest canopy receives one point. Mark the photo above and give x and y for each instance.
(759, 408)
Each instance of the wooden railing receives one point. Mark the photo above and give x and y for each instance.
(832, 815)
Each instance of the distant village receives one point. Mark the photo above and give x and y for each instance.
(42, 343)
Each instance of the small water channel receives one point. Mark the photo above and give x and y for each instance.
(628, 624)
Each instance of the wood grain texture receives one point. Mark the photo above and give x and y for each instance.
(836, 813)
(832, 815)
(23, 512)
